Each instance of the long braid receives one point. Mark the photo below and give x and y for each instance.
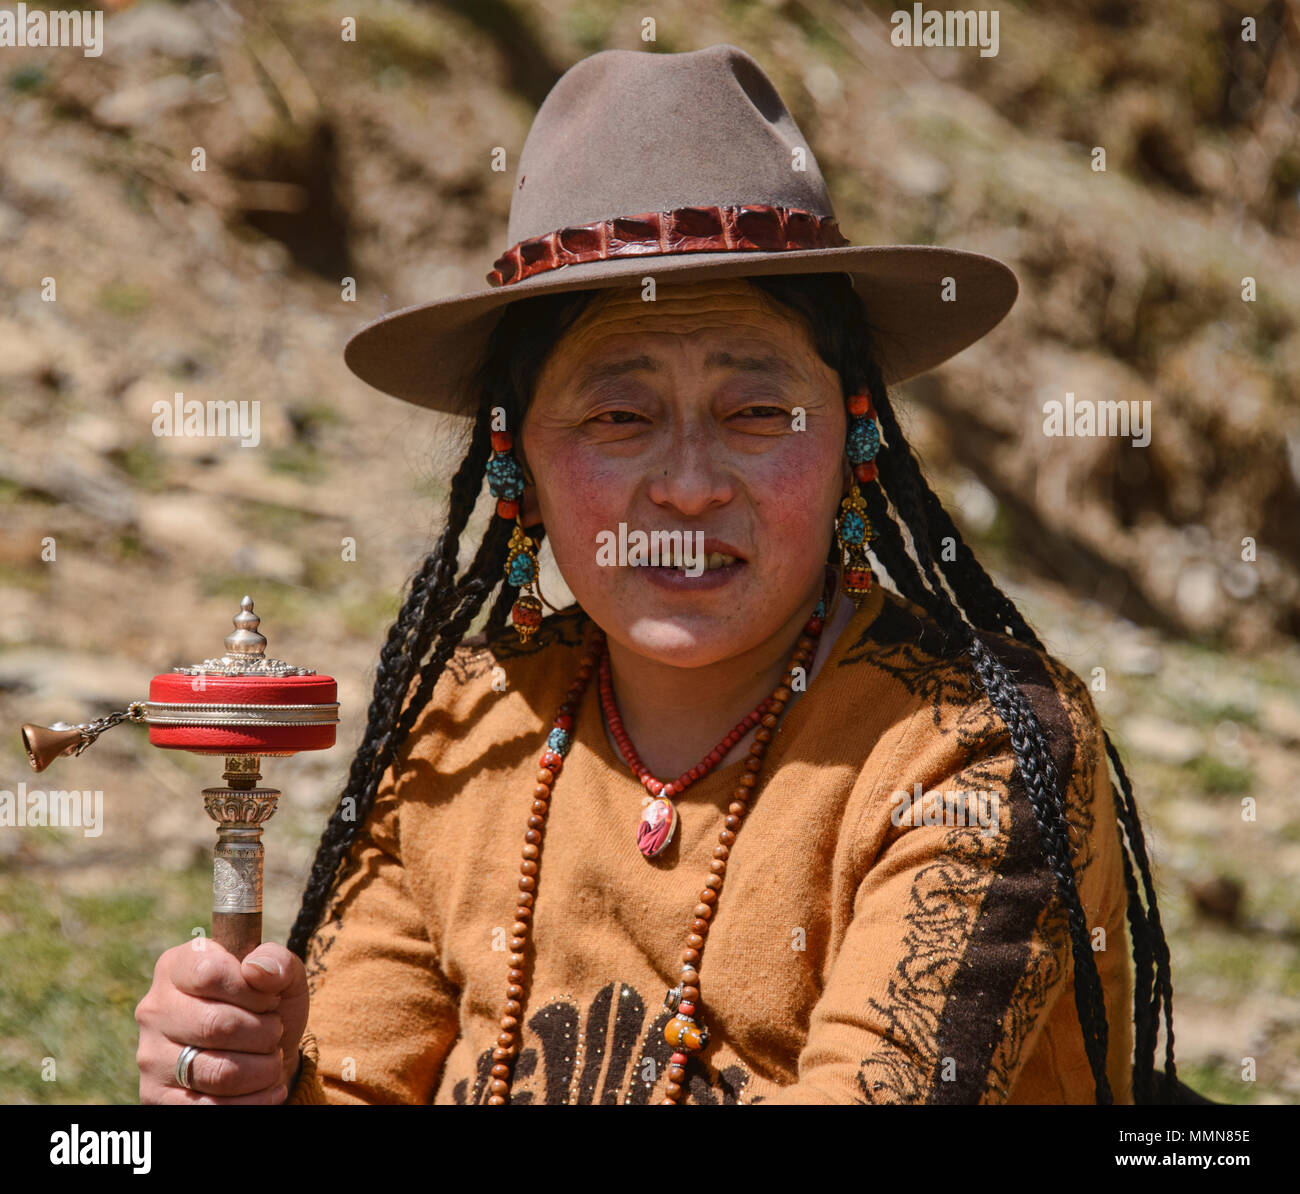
(960, 588)
(427, 604)
(1155, 933)
(991, 609)
(440, 608)
(900, 473)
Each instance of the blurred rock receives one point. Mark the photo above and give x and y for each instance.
(1218, 898)
(157, 28)
(141, 105)
(48, 677)
(1163, 740)
(196, 525)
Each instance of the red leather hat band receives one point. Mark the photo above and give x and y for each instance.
(752, 227)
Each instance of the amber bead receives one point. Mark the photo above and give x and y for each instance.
(769, 720)
(732, 822)
(692, 956)
(675, 1073)
(527, 883)
(690, 976)
(513, 1007)
(531, 851)
(536, 822)
(672, 1090)
(695, 941)
(753, 764)
(539, 808)
(506, 1039)
(713, 881)
(703, 912)
(763, 735)
(747, 782)
(700, 925)
(718, 867)
(500, 1071)
(508, 1023)
(516, 961)
(727, 837)
(737, 808)
(515, 975)
(721, 852)
(708, 896)
(690, 994)
(532, 837)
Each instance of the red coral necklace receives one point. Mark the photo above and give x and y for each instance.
(658, 813)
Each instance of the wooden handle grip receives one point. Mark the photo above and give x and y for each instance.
(238, 932)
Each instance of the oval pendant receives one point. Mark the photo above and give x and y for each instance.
(658, 824)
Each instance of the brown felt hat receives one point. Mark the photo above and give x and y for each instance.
(678, 167)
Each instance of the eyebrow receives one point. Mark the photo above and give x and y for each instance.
(772, 366)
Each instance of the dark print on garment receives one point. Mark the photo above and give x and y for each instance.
(971, 985)
(613, 1055)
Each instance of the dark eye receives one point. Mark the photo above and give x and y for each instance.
(766, 412)
(616, 422)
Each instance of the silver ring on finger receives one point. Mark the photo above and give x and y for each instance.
(184, 1063)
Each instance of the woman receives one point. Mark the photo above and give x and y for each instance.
(891, 866)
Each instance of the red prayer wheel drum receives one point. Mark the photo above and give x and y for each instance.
(244, 703)
(255, 692)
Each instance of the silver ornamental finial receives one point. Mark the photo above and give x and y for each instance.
(245, 652)
(245, 640)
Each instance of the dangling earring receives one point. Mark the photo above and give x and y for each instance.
(521, 570)
(853, 528)
(506, 481)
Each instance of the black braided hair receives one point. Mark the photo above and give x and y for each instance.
(439, 608)
(963, 601)
(958, 595)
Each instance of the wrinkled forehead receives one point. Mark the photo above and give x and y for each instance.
(715, 309)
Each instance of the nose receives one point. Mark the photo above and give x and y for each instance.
(691, 474)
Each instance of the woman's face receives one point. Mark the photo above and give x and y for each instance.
(682, 414)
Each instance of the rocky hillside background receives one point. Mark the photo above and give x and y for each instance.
(1174, 568)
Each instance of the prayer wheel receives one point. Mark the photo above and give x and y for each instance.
(243, 705)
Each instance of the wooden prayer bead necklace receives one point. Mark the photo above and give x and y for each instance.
(684, 1033)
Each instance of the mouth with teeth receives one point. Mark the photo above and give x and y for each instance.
(716, 570)
(713, 561)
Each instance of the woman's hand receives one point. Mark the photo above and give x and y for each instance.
(246, 1018)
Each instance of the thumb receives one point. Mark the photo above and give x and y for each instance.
(269, 968)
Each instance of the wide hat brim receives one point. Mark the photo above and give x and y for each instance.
(924, 304)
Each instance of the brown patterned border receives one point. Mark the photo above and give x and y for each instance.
(730, 228)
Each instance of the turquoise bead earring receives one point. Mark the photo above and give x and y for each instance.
(853, 528)
(506, 481)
